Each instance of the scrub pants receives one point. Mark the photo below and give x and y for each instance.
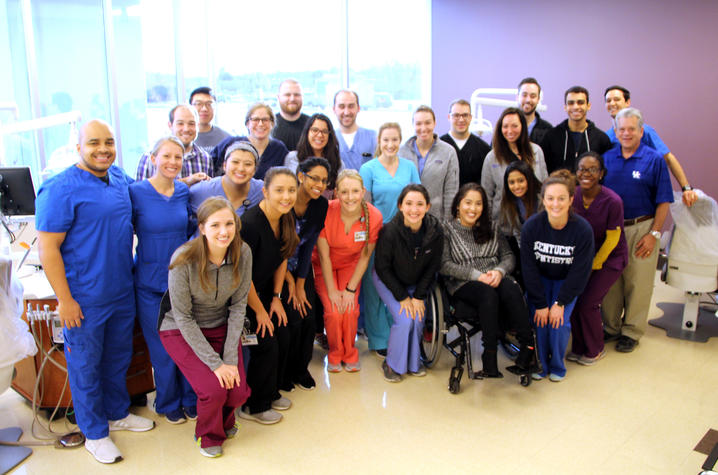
(403, 352)
(552, 342)
(301, 338)
(341, 328)
(215, 405)
(586, 320)
(173, 390)
(98, 354)
(377, 318)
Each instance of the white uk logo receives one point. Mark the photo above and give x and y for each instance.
(636, 175)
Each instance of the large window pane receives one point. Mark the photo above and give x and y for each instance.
(389, 59)
(255, 48)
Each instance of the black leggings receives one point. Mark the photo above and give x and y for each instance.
(504, 301)
(301, 338)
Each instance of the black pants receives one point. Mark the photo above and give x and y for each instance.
(301, 337)
(265, 361)
(505, 301)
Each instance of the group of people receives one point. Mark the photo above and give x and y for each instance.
(250, 247)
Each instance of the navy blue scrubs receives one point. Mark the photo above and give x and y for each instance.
(161, 224)
(97, 253)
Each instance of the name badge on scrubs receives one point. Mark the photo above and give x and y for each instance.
(247, 337)
(360, 236)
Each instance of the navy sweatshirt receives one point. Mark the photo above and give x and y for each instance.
(557, 254)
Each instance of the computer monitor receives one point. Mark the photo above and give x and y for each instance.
(17, 194)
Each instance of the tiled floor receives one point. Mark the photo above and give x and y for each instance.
(634, 413)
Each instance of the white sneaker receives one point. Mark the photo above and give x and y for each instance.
(281, 404)
(104, 450)
(133, 423)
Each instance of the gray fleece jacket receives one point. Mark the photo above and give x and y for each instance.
(492, 178)
(440, 175)
(193, 308)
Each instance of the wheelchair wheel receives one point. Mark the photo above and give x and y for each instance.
(454, 386)
(525, 380)
(433, 337)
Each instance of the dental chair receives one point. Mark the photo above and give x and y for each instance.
(692, 266)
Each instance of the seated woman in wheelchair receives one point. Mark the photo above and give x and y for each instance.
(408, 256)
(477, 261)
(556, 258)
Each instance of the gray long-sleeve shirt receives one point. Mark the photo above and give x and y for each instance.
(194, 308)
(440, 176)
(465, 260)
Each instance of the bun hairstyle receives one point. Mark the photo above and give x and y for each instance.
(287, 230)
(561, 177)
(196, 251)
(481, 230)
(353, 174)
(509, 212)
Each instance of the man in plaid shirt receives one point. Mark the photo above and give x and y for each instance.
(196, 164)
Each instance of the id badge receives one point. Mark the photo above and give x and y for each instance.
(360, 236)
(249, 340)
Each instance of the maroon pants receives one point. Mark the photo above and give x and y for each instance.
(215, 405)
(586, 319)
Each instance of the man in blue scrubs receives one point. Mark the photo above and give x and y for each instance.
(356, 144)
(84, 223)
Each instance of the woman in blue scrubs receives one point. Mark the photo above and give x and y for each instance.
(237, 184)
(160, 216)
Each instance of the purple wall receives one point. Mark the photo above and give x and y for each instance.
(663, 52)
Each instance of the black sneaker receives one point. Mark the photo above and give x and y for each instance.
(389, 374)
(626, 344)
(306, 383)
(381, 353)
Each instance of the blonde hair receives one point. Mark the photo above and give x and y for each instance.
(349, 173)
(385, 126)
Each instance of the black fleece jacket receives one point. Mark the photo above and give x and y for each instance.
(558, 149)
(399, 266)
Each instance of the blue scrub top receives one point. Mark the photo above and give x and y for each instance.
(97, 220)
(162, 225)
(384, 188)
(205, 189)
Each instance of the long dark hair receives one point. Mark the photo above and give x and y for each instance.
(503, 152)
(330, 152)
(197, 252)
(287, 230)
(481, 230)
(509, 211)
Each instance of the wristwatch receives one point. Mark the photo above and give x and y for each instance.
(656, 234)
(687, 188)
(278, 295)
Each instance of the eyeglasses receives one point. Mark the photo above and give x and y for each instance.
(592, 170)
(200, 105)
(316, 131)
(315, 179)
(263, 120)
(461, 116)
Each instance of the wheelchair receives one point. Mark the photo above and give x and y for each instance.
(445, 313)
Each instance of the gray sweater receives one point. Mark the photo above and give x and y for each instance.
(440, 175)
(492, 177)
(465, 260)
(194, 308)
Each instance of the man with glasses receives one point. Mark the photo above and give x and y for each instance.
(196, 164)
(209, 135)
(639, 175)
(356, 144)
(618, 98)
(290, 120)
(470, 149)
(528, 97)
